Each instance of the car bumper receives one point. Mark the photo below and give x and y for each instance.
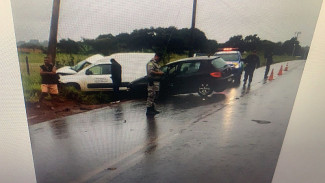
(236, 72)
(222, 84)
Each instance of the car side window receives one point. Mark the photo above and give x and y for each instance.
(189, 67)
(172, 69)
(164, 69)
(100, 69)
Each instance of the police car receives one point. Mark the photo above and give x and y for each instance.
(233, 58)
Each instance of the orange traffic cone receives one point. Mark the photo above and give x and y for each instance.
(286, 68)
(271, 76)
(280, 71)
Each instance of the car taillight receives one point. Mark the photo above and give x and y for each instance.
(215, 74)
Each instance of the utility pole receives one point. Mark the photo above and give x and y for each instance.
(191, 52)
(294, 44)
(51, 50)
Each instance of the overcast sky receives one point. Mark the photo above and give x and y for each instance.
(274, 20)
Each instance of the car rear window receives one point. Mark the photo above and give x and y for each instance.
(229, 57)
(218, 63)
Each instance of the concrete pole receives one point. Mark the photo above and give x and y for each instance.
(51, 51)
(191, 52)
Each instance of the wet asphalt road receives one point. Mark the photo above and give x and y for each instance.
(232, 137)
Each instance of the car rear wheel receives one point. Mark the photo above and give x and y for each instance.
(204, 89)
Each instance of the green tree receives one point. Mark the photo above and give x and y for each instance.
(252, 42)
(236, 42)
(68, 46)
(291, 46)
(211, 47)
(104, 44)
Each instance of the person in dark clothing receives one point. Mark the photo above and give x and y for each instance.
(116, 77)
(269, 60)
(252, 61)
(50, 81)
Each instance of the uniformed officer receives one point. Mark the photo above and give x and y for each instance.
(252, 61)
(154, 74)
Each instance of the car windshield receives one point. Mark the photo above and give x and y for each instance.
(229, 57)
(219, 63)
(80, 65)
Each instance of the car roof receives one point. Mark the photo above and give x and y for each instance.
(121, 58)
(94, 58)
(194, 59)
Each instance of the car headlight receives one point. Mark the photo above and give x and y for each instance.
(236, 65)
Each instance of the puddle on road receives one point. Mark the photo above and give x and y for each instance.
(60, 128)
(261, 121)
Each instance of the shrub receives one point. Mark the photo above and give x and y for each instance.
(85, 97)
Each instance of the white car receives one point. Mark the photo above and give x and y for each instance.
(97, 76)
(68, 70)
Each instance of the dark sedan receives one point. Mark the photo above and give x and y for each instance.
(197, 74)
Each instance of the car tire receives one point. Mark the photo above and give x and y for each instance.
(74, 85)
(204, 89)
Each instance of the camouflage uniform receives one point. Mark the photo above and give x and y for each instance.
(153, 84)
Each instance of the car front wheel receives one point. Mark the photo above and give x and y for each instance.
(204, 89)
(74, 85)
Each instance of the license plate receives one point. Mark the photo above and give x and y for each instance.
(229, 79)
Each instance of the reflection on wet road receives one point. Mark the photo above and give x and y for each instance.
(227, 138)
(151, 135)
(59, 129)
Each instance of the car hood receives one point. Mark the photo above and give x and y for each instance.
(65, 70)
(73, 78)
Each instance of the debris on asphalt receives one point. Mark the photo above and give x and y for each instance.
(111, 168)
(261, 121)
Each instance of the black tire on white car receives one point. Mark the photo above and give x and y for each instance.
(74, 85)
